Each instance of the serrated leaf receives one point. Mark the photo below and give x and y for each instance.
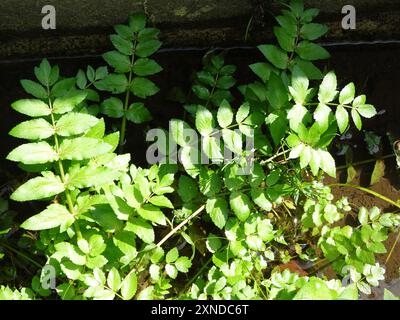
(356, 119)
(305, 157)
(69, 101)
(114, 279)
(260, 198)
(36, 129)
(146, 67)
(71, 149)
(275, 55)
(313, 31)
(379, 172)
(120, 62)
(54, 216)
(142, 87)
(232, 140)
(179, 131)
(112, 107)
(342, 118)
(311, 51)
(243, 112)
(217, 208)
(315, 162)
(187, 188)
(33, 153)
(63, 87)
(38, 188)
(366, 110)
(74, 123)
(34, 88)
(147, 48)
(299, 87)
(43, 73)
(171, 271)
(321, 116)
(327, 90)
(114, 83)
(31, 107)
(129, 286)
(285, 40)
(262, 70)
(212, 149)
(347, 94)
(142, 229)
(161, 201)
(138, 113)
(225, 114)
(152, 213)
(204, 121)
(172, 255)
(327, 163)
(87, 177)
(183, 264)
(241, 205)
(122, 45)
(311, 71)
(201, 92)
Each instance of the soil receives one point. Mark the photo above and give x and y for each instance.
(374, 70)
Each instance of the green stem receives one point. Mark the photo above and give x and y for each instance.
(365, 162)
(126, 105)
(179, 226)
(23, 255)
(192, 279)
(393, 246)
(274, 157)
(380, 196)
(62, 173)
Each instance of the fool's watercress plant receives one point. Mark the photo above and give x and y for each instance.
(114, 230)
(131, 62)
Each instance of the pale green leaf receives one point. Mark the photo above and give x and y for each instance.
(342, 118)
(31, 107)
(38, 188)
(225, 114)
(347, 94)
(83, 148)
(33, 153)
(204, 121)
(129, 286)
(36, 129)
(241, 205)
(54, 216)
(74, 123)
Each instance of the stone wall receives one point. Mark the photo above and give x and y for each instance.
(83, 26)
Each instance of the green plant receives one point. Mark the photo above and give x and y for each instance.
(132, 65)
(210, 226)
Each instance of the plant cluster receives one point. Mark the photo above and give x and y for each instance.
(110, 229)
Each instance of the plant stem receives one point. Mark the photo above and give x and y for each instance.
(179, 226)
(62, 173)
(392, 249)
(365, 162)
(380, 196)
(274, 157)
(192, 279)
(126, 105)
(23, 255)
